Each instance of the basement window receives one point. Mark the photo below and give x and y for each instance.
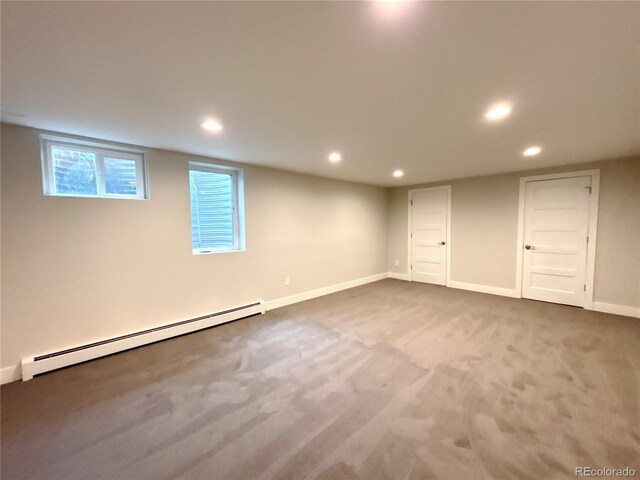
(75, 168)
(217, 208)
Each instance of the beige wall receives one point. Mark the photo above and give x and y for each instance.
(76, 270)
(484, 217)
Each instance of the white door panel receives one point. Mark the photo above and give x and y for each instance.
(556, 225)
(429, 235)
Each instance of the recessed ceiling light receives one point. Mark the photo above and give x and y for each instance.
(212, 126)
(391, 10)
(498, 112)
(532, 151)
(335, 157)
(398, 173)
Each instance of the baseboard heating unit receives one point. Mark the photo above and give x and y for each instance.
(81, 353)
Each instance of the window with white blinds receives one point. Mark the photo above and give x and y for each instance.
(75, 168)
(216, 216)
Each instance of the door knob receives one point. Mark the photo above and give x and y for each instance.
(442, 243)
(528, 247)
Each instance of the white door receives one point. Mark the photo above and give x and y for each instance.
(428, 235)
(556, 225)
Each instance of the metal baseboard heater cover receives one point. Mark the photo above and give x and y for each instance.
(63, 358)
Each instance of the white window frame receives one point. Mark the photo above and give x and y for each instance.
(101, 151)
(237, 187)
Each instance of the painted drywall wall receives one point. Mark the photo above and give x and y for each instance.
(484, 217)
(76, 270)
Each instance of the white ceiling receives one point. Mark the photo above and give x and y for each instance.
(401, 85)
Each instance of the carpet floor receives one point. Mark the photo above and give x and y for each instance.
(392, 380)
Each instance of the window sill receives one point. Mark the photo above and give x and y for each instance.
(211, 252)
(99, 197)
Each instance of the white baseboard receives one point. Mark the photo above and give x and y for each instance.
(308, 295)
(475, 287)
(9, 374)
(399, 276)
(625, 310)
(13, 373)
(48, 361)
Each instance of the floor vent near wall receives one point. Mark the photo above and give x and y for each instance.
(63, 358)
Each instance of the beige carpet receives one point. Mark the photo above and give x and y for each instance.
(389, 380)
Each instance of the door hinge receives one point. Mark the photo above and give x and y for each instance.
(587, 238)
(411, 203)
(411, 267)
(412, 235)
(589, 188)
(585, 287)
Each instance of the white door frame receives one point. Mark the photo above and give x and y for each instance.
(593, 228)
(447, 188)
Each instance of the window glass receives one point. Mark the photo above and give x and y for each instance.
(211, 210)
(73, 167)
(217, 208)
(75, 172)
(120, 176)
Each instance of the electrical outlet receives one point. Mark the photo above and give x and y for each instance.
(397, 262)
(287, 281)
